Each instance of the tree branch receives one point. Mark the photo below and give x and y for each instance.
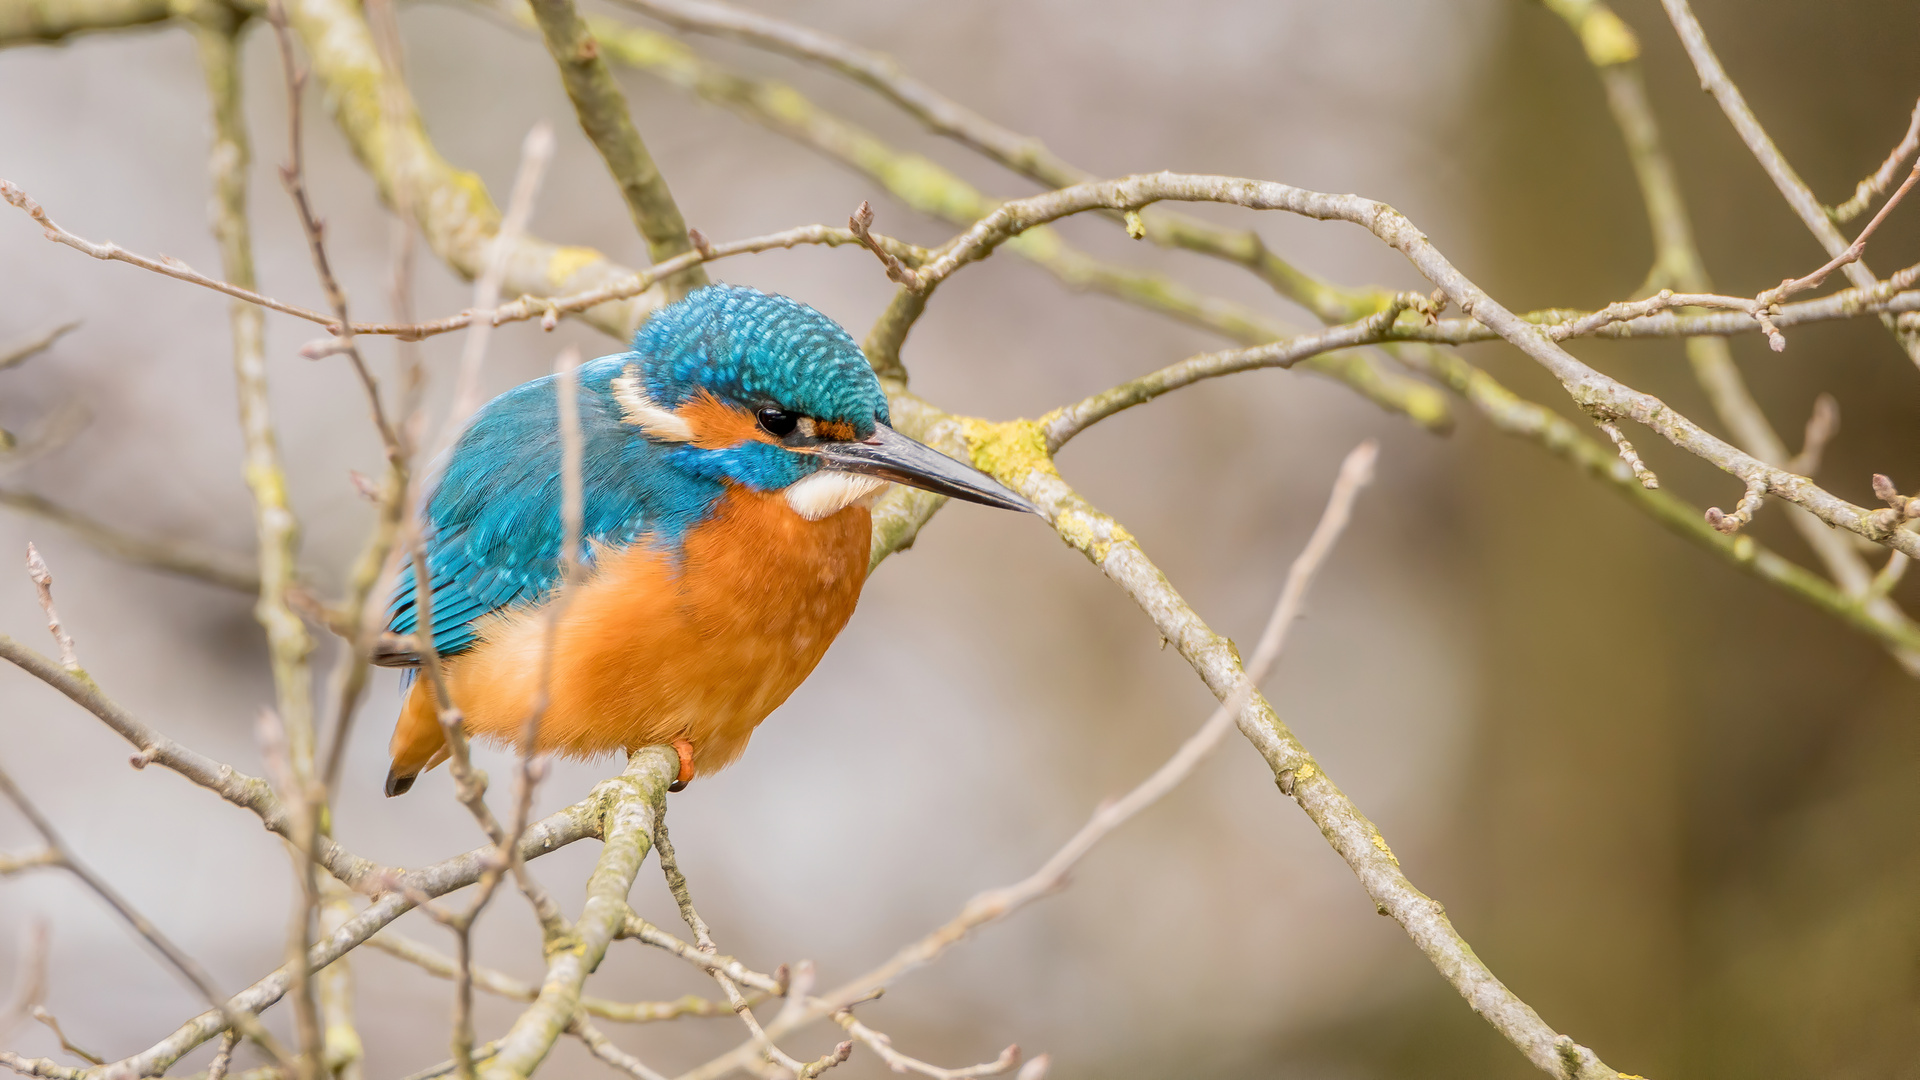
(44, 23)
(20, 352)
(1714, 80)
(1600, 395)
(925, 186)
(1024, 154)
(603, 114)
(1678, 256)
(625, 808)
(456, 216)
(498, 982)
(189, 969)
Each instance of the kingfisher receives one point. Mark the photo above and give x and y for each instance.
(729, 461)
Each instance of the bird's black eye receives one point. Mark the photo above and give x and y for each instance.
(778, 423)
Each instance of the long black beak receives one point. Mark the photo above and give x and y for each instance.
(892, 456)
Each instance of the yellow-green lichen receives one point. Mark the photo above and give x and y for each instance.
(1607, 39)
(1381, 843)
(568, 261)
(1009, 450)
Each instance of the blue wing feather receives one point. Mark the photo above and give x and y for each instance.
(492, 520)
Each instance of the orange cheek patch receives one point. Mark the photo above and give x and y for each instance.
(837, 430)
(717, 425)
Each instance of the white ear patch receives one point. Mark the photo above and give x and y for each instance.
(826, 493)
(638, 409)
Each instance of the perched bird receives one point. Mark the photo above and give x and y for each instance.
(728, 463)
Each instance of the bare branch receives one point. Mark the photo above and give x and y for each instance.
(603, 115)
(1867, 190)
(173, 557)
(630, 803)
(52, 1023)
(1114, 550)
(1850, 255)
(30, 978)
(861, 223)
(1589, 388)
(536, 152)
(1743, 513)
(995, 904)
(1065, 423)
(20, 352)
(1714, 80)
(223, 1057)
(166, 264)
(761, 1042)
(930, 188)
(1024, 154)
(557, 830)
(1678, 259)
(1627, 454)
(604, 1049)
(619, 288)
(43, 584)
(187, 967)
(504, 985)
(1822, 425)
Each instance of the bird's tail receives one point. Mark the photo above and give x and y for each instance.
(418, 743)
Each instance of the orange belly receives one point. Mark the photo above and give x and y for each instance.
(647, 651)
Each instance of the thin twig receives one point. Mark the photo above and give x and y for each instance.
(604, 1049)
(878, 1042)
(168, 556)
(43, 584)
(1063, 424)
(622, 287)
(1629, 455)
(861, 224)
(500, 983)
(223, 1057)
(1743, 513)
(603, 115)
(52, 1023)
(536, 151)
(1850, 255)
(30, 977)
(20, 352)
(1589, 388)
(1867, 190)
(1024, 154)
(703, 940)
(185, 965)
(1714, 79)
(1822, 425)
(1677, 259)
(1355, 473)
(628, 805)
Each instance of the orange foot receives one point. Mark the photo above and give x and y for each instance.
(685, 750)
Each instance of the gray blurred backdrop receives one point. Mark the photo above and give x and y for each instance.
(1673, 809)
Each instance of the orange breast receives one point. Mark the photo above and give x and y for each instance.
(648, 651)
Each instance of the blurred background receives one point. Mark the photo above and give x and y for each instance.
(1674, 809)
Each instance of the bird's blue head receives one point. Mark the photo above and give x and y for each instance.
(766, 392)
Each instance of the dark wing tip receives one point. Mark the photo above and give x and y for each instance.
(393, 650)
(399, 785)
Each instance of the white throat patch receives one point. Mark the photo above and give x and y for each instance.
(827, 492)
(638, 409)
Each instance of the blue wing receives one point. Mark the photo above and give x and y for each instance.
(492, 521)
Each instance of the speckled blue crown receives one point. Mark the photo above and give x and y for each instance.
(757, 350)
